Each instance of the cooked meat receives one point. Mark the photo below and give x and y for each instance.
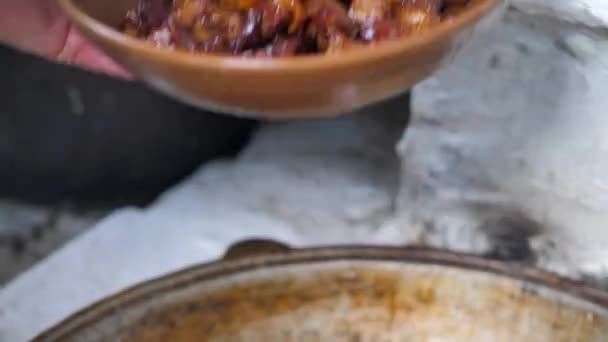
(279, 28)
(370, 10)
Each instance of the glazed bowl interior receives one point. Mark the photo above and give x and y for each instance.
(349, 294)
(282, 88)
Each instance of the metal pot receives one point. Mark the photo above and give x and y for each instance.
(265, 291)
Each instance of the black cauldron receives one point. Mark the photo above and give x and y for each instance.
(70, 135)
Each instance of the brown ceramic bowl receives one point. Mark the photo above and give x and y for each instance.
(308, 86)
(266, 292)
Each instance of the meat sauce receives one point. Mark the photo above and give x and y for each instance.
(279, 28)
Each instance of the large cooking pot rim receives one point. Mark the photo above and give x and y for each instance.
(254, 255)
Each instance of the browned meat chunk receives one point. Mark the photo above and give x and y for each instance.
(279, 28)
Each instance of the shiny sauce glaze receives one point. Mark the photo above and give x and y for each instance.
(280, 28)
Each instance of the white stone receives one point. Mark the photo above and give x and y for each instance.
(517, 127)
(586, 12)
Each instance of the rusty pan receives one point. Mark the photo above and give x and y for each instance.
(266, 291)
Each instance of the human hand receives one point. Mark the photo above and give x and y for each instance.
(39, 27)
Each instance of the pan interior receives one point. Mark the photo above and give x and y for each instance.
(355, 301)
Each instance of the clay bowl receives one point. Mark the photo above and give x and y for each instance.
(301, 87)
(264, 291)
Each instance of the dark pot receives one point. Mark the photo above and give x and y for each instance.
(66, 134)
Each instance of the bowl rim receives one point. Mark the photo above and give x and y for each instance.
(229, 266)
(378, 51)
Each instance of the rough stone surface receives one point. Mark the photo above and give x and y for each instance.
(593, 13)
(29, 233)
(506, 153)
